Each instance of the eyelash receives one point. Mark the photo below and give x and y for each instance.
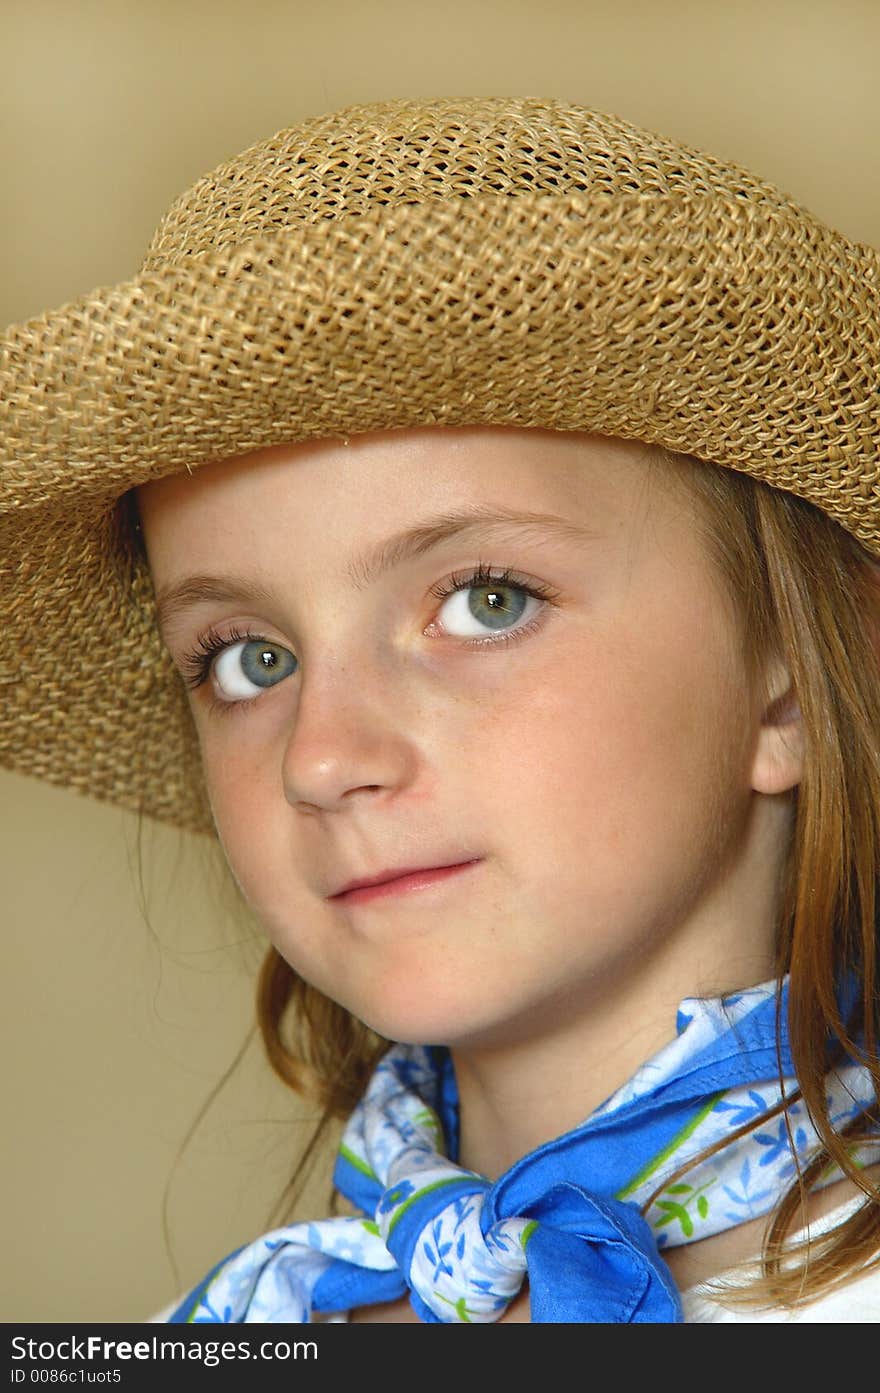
(484, 576)
(196, 663)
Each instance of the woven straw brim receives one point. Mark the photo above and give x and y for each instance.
(582, 275)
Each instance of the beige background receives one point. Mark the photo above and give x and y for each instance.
(116, 1027)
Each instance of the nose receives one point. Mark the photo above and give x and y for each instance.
(347, 736)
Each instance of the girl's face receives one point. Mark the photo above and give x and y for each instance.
(572, 720)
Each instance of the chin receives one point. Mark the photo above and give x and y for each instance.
(424, 1022)
(411, 1027)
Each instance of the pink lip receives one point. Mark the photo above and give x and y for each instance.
(413, 880)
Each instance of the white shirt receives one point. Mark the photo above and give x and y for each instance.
(856, 1302)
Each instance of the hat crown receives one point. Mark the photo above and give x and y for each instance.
(347, 162)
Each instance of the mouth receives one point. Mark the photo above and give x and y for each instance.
(403, 883)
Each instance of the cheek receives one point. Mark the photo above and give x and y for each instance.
(629, 751)
(245, 806)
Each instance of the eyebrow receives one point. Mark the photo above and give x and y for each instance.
(415, 541)
(172, 601)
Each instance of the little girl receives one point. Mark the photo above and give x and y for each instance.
(470, 515)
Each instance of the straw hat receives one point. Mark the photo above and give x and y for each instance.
(519, 262)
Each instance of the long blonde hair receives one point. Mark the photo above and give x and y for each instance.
(803, 588)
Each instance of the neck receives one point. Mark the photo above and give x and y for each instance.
(547, 1075)
(514, 1098)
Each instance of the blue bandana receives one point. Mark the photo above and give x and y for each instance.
(569, 1214)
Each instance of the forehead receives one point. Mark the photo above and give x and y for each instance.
(367, 484)
(346, 514)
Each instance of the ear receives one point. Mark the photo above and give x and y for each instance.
(777, 765)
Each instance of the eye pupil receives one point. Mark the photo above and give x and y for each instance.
(268, 658)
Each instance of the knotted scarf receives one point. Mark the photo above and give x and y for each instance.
(569, 1214)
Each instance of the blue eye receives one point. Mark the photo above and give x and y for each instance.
(478, 604)
(472, 609)
(243, 670)
(478, 601)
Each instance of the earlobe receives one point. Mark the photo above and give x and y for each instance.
(778, 760)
